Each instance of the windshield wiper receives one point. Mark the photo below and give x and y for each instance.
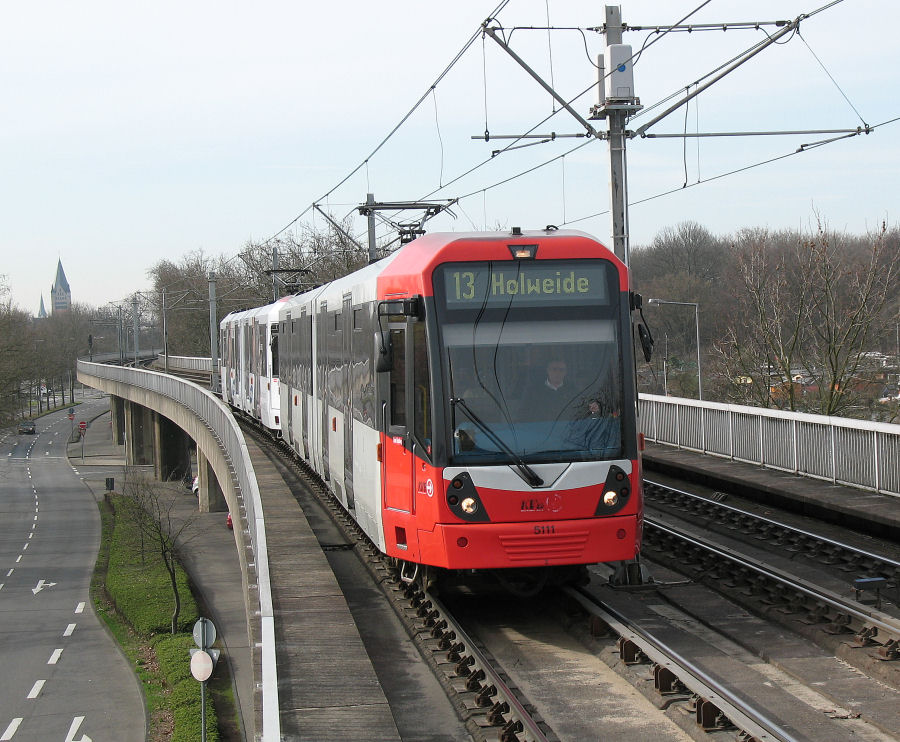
(531, 476)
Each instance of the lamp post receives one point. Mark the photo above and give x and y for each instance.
(696, 307)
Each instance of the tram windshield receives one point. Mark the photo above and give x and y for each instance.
(531, 376)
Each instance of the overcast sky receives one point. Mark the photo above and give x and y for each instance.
(133, 133)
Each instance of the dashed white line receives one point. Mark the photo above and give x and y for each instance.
(11, 730)
(79, 608)
(36, 689)
(69, 629)
(24, 548)
(9, 574)
(54, 658)
(18, 558)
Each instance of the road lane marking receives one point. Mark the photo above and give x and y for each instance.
(41, 584)
(54, 658)
(79, 608)
(11, 729)
(18, 559)
(73, 730)
(69, 629)
(25, 547)
(36, 689)
(9, 574)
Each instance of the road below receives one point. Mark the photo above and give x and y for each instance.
(64, 677)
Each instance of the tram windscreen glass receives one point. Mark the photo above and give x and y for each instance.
(530, 283)
(537, 374)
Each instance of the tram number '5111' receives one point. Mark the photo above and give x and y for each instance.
(544, 530)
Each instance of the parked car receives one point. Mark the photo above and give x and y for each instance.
(195, 485)
(26, 427)
(228, 523)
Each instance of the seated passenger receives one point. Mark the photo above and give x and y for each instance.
(601, 431)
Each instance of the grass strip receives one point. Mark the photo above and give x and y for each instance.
(131, 594)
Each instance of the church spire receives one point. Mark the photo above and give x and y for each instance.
(60, 293)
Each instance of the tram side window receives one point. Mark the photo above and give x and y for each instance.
(398, 378)
(274, 346)
(422, 387)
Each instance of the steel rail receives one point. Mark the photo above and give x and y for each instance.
(740, 712)
(428, 616)
(517, 712)
(886, 626)
(713, 505)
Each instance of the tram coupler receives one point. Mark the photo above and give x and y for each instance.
(630, 574)
(408, 572)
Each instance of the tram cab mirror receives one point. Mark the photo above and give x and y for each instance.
(646, 342)
(383, 354)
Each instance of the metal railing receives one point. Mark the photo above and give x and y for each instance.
(187, 363)
(858, 453)
(218, 418)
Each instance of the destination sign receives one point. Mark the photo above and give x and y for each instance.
(521, 282)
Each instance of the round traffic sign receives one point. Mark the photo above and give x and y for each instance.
(204, 633)
(82, 425)
(201, 665)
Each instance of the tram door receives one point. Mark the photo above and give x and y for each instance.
(398, 457)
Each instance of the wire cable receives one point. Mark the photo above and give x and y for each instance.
(437, 125)
(802, 148)
(403, 120)
(825, 70)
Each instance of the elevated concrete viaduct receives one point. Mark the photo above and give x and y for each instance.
(160, 418)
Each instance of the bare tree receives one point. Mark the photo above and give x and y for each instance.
(685, 263)
(151, 507)
(16, 350)
(809, 309)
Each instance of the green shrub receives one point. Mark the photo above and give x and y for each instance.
(187, 720)
(173, 656)
(138, 583)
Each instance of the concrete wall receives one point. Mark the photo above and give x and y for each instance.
(138, 404)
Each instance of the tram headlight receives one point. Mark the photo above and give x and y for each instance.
(469, 505)
(610, 498)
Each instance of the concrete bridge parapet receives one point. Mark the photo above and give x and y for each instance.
(153, 406)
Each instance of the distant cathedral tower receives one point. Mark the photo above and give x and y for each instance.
(42, 313)
(60, 293)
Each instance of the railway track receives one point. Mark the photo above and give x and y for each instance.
(489, 706)
(816, 547)
(495, 704)
(717, 705)
(776, 586)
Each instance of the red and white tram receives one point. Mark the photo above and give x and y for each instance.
(470, 399)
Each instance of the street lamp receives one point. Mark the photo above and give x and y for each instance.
(696, 307)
